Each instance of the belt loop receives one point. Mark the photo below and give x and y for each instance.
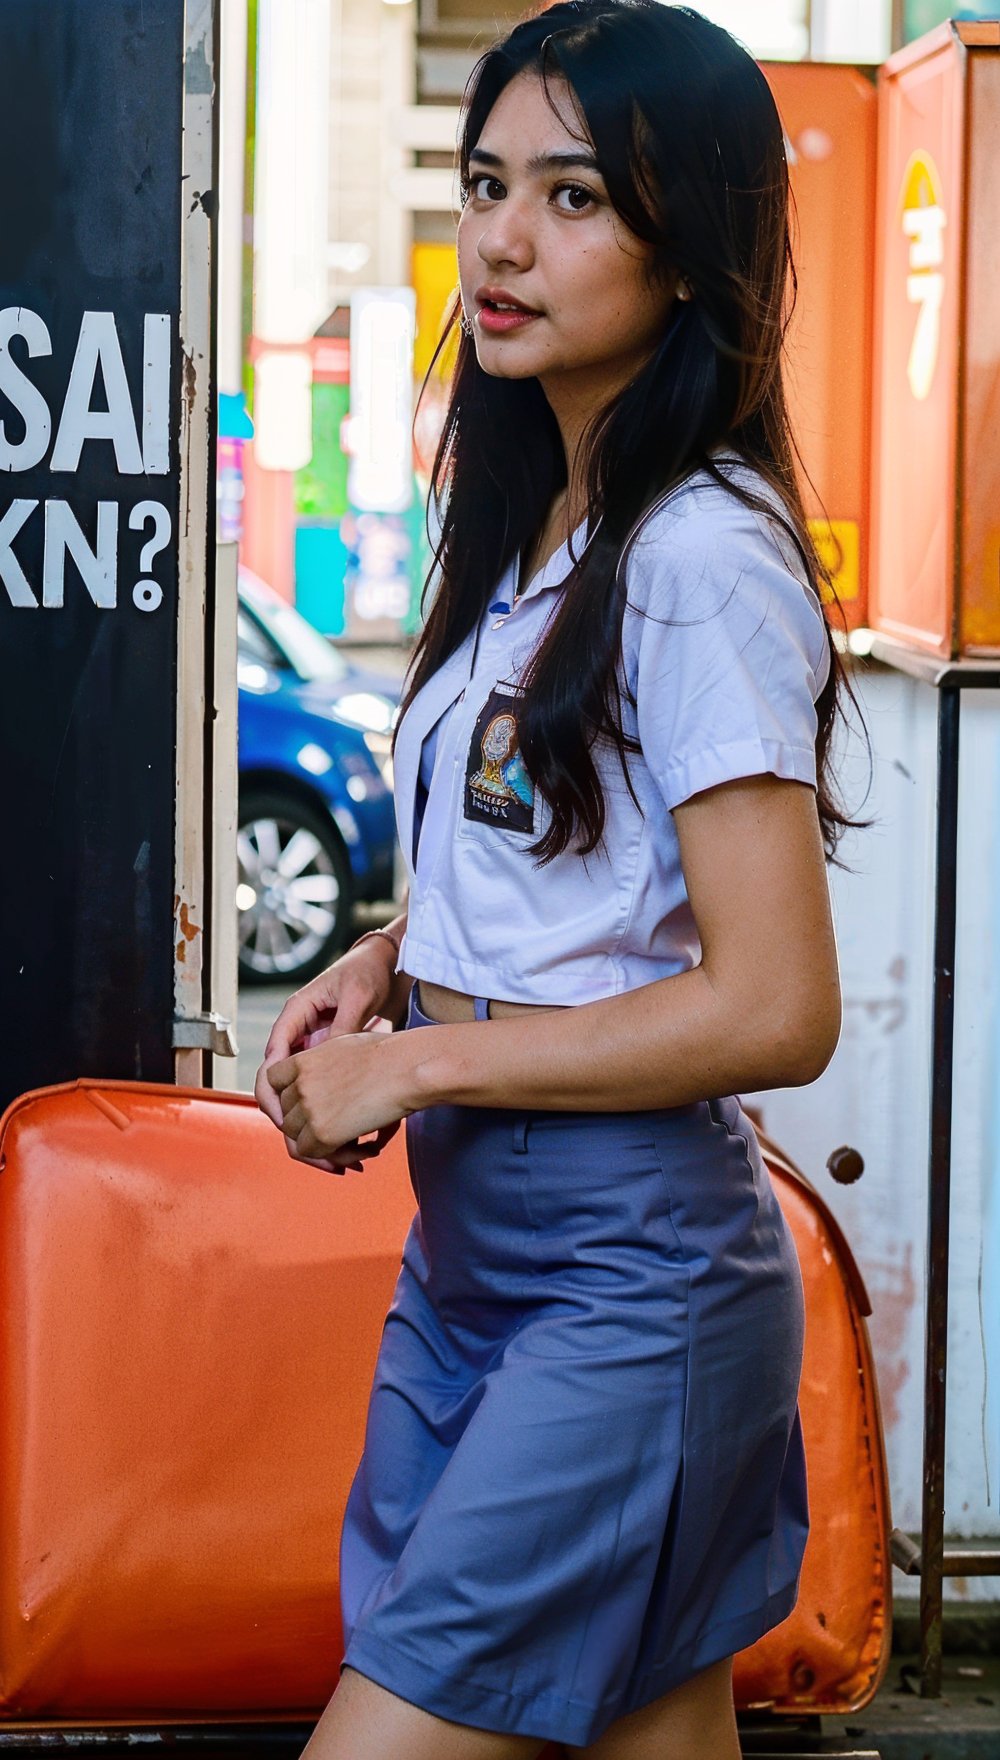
(482, 1007)
(519, 1134)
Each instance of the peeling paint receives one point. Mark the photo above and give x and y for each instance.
(198, 81)
(207, 200)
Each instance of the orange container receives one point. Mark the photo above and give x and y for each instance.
(936, 416)
(829, 115)
(188, 1328)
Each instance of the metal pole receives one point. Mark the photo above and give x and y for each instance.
(939, 1191)
(194, 1029)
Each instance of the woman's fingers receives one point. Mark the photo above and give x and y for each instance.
(281, 1075)
(279, 1091)
(307, 1010)
(294, 1122)
(266, 1097)
(274, 1078)
(323, 1163)
(277, 1085)
(303, 1145)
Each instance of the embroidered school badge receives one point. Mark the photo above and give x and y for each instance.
(498, 789)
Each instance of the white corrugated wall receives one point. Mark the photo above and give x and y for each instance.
(875, 1092)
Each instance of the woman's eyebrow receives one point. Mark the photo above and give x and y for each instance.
(539, 161)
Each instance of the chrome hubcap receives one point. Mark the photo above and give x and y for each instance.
(288, 895)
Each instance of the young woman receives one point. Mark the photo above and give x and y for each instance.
(583, 1486)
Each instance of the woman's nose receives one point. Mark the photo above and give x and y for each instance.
(506, 239)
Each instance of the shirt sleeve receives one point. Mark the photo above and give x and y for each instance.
(730, 649)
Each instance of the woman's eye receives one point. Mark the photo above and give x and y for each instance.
(574, 189)
(579, 198)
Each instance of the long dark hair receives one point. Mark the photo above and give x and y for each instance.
(691, 149)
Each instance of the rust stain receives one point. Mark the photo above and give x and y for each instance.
(181, 952)
(188, 929)
(896, 1289)
(190, 394)
(190, 381)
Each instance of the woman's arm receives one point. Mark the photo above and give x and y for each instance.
(341, 1000)
(402, 983)
(761, 1010)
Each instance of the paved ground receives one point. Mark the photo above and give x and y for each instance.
(964, 1724)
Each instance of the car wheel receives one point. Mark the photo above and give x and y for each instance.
(295, 891)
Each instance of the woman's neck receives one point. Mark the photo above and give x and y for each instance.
(557, 527)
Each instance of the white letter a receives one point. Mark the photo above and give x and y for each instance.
(98, 343)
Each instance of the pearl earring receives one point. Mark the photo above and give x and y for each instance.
(683, 290)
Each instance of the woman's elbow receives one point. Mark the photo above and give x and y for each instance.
(809, 1038)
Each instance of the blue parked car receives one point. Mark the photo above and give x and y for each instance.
(317, 826)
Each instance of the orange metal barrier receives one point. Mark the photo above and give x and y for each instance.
(936, 447)
(188, 1328)
(829, 115)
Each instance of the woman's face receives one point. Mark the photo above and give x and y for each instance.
(538, 227)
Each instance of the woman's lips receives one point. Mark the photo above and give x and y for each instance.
(499, 323)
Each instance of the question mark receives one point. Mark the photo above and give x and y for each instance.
(147, 595)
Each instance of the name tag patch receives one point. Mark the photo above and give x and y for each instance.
(498, 789)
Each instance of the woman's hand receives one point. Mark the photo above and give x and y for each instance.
(346, 999)
(331, 1095)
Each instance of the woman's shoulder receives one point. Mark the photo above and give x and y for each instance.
(702, 512)
(700, 552)
(700, 533)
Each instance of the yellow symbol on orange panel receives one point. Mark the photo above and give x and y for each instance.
(923, 221)
(838, 542)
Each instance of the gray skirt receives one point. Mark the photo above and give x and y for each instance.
(583, 1478)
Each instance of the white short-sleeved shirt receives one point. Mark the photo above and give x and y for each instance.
(725, 648)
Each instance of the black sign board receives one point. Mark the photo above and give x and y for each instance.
(91, 99)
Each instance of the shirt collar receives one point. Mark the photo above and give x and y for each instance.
(552, 573)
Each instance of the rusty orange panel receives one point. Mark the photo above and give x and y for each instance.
(188, 1328)
(979, 441)
(936, 444)
(829, 115)
(831, 1654)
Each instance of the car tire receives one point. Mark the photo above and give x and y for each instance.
(295, 894)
